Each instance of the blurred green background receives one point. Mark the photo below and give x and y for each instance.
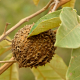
(12, 11)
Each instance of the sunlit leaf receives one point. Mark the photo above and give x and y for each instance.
(70, 4)
(69, 31)
(45, 23)
(55, 70)
(3, 46)
(11, 73)
(36, 2)
(73, 72)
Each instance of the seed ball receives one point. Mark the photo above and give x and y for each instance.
(33, 51)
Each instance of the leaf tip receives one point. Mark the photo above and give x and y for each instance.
(36, 2)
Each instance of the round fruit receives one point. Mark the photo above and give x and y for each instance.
(33, 51)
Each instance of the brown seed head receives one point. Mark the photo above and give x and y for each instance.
(34, 51)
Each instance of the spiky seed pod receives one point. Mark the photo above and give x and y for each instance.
(34, 51)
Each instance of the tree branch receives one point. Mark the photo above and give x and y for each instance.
(24, 20)
(60, 4)
(6, 66)
(8, 61)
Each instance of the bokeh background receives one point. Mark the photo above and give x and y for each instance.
(12, 11)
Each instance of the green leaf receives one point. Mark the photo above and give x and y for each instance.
(3, 46)
(45, 23)
(70, 4)
(79, 19)
(11, 73)
(73, 72)
(69, 31)
(36, 2)
(55, 70)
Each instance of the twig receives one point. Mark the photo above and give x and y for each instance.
(7, 40)
(60, 4)
(55, 6)
(51, 4)
(24, 20)
(6, 27)
(6, 66)
(8, 61)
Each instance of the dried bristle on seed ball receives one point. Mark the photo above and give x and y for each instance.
(33, 51)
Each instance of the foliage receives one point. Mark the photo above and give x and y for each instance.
(4, 46)
(68, 29)
(55, 70)
(70, 4)
(73, 72)
(45, 23)
(67, 23)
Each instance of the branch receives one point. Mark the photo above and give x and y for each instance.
(24, 20)
(60, 4)
(8, 61)
(55, 6)
(6, 66)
